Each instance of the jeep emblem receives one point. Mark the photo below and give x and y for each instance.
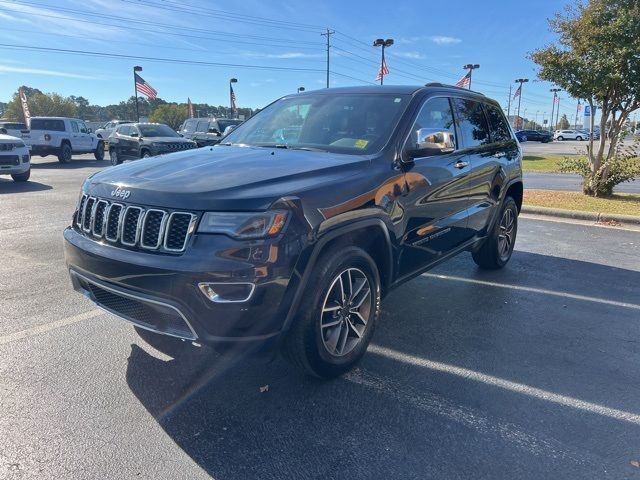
(123, 194)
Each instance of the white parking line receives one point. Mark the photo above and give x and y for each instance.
(47, 327)
(534, 290)
(506, 384)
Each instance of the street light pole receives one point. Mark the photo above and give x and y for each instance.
(135, 89)
(553, 107)
(379, 42)
(520, 81)
(471, 67)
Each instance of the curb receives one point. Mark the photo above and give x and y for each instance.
(577, 215)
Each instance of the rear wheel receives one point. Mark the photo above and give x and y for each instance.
(337, 315)
(21, 177)
(496, 250)
(579, 138)
(113, 156)
(99, 153)
(64, 156)
(145, 154)
(560, 138)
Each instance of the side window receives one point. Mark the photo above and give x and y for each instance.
(435, 113)
(82, 127)
(134, 131)
(203, 126)
(124, 130)
(190, 126)
(497, 124)
(74, 127)
(471, 122)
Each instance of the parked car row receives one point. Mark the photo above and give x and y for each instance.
(534, 136)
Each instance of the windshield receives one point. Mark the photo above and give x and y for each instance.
(342, 123)
(156, 131)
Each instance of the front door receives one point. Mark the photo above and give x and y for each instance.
(85, 140)
(435, 205)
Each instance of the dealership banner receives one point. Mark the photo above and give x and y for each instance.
(25, 108)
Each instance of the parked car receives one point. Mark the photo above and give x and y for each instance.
(16, 129)
(206, 131)
(107, 129)
(63, 137)
(14, 158)
(141, 140)
(569, 135)
(520, 135)
(257, 246)
(536, 135)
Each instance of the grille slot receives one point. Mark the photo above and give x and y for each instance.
(178, 231)
(80, 211)
(131, 226)
(113, 222)
(88, 213)
(99, 218)
(152, 228)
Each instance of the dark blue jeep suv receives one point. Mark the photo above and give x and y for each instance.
(287, 235)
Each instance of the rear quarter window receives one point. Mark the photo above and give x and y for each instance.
(471, 122)
(47, 124)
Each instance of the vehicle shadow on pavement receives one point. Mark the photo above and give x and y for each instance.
(73, 165)
(459, 396)
(9, 186)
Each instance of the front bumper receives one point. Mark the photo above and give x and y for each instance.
(16, 163)
(160, 292)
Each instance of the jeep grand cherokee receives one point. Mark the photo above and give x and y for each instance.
(288, 235)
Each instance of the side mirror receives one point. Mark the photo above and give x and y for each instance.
(432, 141)
(229, 129)
(89, 130)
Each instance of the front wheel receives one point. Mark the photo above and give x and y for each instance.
(560, 138)
(99, 152)
(113, 156)
(496, 250)
(579, 138)
(64, 156)
(145, 154)
(337, 315)
(21, 177)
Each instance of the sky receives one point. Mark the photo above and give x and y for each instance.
(272, 47)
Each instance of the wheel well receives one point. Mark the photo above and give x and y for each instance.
(373, 241)
(65, 141)
(516, 191)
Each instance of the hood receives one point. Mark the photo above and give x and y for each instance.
(225, 177)
(9, 138)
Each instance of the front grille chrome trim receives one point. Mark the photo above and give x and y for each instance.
(80, 210)
(108, 216)
(161, 231)
(139, 298)
(190, 229)
(138, 225)
(93, 218)
(91, 214)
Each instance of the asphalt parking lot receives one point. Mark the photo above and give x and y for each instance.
(529, 372)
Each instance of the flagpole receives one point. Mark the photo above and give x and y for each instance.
(135, 90)
(575, 125)
(553, 107)
(509, 105)
(520, 81)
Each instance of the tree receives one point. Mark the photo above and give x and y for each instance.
(598, 59)
(563, 124)
(41, 104)
(171, 114)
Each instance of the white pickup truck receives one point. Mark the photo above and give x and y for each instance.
(63, 137)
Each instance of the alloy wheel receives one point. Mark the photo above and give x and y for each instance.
(506, 234)
(345, 312)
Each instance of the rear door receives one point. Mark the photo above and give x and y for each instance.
(435, 205)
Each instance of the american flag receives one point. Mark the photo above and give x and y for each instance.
(579, 106)
(465, 81)
(144, 88)
(232, 96)
(556, 99)
(383, 70)
(518, 92)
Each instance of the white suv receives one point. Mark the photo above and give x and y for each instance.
(63, 137)
(569, 135)
(14, 158)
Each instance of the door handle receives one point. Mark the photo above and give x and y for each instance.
(460, 164)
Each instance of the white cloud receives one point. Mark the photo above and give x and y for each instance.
(47, 73)
(410, 55)
(444, 40)
(285, 55)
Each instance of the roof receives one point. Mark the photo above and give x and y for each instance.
(391, 89)
(56, 118)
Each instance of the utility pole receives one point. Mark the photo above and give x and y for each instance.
(520, 81)
(575, 125)
(509, 106)
(328, 34)
(558, 112)
(535, 122)
(553, 107)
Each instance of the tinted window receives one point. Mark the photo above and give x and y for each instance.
(498, 124)
(82, 127)
(47, 124)
(190, 126)
(124, 130)
(203, 126)
(156, 131)
(435, 113)
(471, 122)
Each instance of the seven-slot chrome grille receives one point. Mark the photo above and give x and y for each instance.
(132, 226)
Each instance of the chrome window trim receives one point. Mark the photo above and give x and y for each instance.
(93, 220)
(138, 225)
(106, 232)
(186, 237)
(140, 299)
(161, 232)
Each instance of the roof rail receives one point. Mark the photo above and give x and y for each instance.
(438, 84)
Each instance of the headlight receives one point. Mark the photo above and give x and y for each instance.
(244, 225)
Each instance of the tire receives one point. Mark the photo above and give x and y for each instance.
(65, 154)
(327, 344)
(99, 152)
(145, 154)
(114, 157)
(560, 138)
(21, 177)
(494, 254)
(579, 138)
